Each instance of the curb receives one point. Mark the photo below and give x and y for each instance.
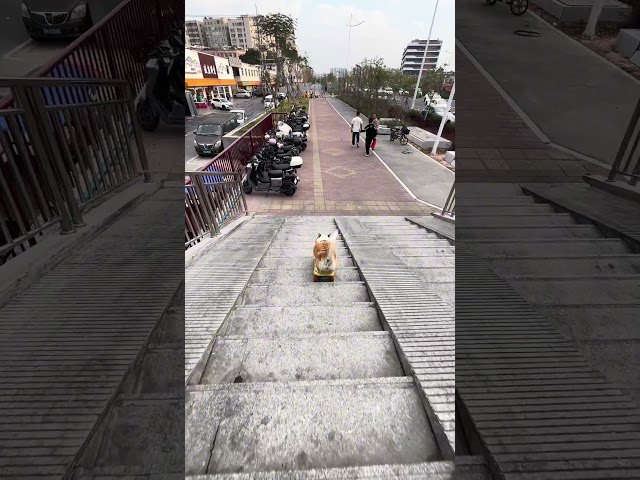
(29, 267)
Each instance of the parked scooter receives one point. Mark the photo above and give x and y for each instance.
(163, 95)
(265, 176)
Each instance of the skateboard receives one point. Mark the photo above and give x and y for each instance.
(322, 276)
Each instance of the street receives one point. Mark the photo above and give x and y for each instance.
(253, 107)
(19, 54)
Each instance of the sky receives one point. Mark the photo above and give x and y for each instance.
(323, 34)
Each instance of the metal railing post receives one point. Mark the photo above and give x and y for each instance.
(137, 133)
(625, 143)
(66, 222)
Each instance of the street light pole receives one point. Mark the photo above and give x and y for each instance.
(426, 48)
(350, 25)
(444, 119)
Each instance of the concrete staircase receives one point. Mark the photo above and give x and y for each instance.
(583, 280)
(303, 382)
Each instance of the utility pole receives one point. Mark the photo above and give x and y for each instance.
(444, 119)
(350, 25)
(426, 48)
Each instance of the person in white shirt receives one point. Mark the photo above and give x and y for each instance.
(356, 128)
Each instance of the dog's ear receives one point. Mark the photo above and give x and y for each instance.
(334, 235)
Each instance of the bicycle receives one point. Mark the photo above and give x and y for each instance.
(518, 7)
(400, 133)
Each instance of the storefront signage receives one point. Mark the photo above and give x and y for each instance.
(192, 68)
(208, 64)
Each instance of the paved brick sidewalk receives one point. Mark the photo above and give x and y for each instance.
(336, 178)
(494, 144)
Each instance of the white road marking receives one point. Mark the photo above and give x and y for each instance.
(387, 167)
(11, 52)
(192, 159)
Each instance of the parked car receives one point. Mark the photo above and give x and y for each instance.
(221, 103)
(208, 136)
(242, 94)
(269, 102)
(281, 96)
(439, 111)
(56, 18)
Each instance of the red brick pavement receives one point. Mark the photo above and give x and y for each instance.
(338, 179)
(493, 144)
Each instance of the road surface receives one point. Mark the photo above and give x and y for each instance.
(192, 161)
(19, 55)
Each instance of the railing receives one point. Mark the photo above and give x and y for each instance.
(212, 200)
(63, 144)
(116, 46)
(450, 205)
(627, 163)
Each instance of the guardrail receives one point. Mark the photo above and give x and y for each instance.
(63, 144)
(116, 46)
(450, 205)
(212, 200)
(627, 161)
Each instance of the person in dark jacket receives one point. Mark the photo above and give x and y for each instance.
(371, 132)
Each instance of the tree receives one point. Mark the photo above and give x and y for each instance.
(432, 81)
(278, 32)
(594, 16)
(251, 56)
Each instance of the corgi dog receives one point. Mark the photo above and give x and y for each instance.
(325, 253)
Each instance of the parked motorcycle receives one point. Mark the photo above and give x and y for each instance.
(400, 133)
(266, 176)
(163, 95)
(518, 7)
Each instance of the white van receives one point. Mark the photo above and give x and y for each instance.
(268, 102)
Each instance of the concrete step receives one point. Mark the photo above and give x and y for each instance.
(463, 201)
(327, 294)
(528, 233)
(550, 248)
(446, 291)
(471, 468)
(284, 263)
(518, 209)
(267, 276)
(594, 266)
(515, 220)
(488, 190)
(277, 321)
(301, 243)
(401, 241)
(579, 291)
(331, 356)
(302, 251)
(604, 324)
(419, 234)
(439, 261)
(441, 470)
(260, 427)
(424, 251)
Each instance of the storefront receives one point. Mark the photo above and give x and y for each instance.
(208, 75)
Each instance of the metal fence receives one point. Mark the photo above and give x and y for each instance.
(212, 200)
(627, 161)
(116, 46)
(63, 144)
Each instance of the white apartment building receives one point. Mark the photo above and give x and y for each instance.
(194, 31)
(413, 53)
(338, 72)
(243, 32)
(216, 31)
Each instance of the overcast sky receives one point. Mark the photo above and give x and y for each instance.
(323, 33)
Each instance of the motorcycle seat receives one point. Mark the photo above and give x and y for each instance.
(280, 166)
(275, 173)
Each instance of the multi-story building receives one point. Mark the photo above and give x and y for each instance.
(413, 53)
(338, 72)
(216, 30)
(194, 31)
(243, 32)
(226, 52)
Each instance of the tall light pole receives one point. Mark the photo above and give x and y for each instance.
(350, 25)
(444, 119)
(426, 48)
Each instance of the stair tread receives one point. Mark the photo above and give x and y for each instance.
(306, 425)
(303, 357)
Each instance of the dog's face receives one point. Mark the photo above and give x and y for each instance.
(327, 238)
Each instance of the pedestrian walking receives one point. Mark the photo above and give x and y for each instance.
(376, 123)
(370, 135)
(356, 128)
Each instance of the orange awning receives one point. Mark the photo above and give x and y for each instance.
(209, 82)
